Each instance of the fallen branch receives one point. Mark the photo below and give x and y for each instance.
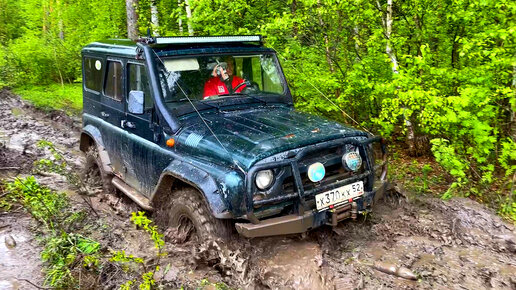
(10, 168)
(39, 287)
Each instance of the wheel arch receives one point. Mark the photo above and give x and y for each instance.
(181, 174)
(90, 136)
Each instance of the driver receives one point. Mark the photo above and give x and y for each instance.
(222, 81)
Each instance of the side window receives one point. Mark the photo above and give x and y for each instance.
(138, 82)
(113, 87)
(93, 72)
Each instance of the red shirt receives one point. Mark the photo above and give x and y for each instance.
(214, 86)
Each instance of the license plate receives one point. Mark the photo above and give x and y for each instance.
(339, 195)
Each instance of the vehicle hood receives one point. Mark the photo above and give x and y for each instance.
(250, 135)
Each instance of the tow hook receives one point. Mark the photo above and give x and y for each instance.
(354, 210)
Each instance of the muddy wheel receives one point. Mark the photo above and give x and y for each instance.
(94, 177)
(187, 217)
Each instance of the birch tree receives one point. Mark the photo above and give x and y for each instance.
(189, 17)
(154, 18)
(132, 19)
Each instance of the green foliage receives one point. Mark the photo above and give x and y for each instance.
(63, 250)
(67, 97)
(44, 205)
(140, 220)
(205, 283)
(146, 280)
(41, 40)
(508, 209)
(122, 257)
(507, 158)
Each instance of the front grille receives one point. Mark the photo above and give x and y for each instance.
(334, 172)
(284, 192)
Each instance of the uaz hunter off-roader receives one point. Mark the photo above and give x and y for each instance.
(203, 131)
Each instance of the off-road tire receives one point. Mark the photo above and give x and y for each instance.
(92, 164)
(186, 202)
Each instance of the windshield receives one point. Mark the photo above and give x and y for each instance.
(214, 77)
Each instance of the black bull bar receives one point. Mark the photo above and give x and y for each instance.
(300, 194)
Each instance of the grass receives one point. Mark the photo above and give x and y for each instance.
(66, 97)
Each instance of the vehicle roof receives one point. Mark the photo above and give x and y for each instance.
(127, 47)
(120, 47)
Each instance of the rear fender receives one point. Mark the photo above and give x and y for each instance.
(90, 136)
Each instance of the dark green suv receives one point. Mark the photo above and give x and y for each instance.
(203, 131)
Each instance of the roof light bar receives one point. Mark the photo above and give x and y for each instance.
(207, 39)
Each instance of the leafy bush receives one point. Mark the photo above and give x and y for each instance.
(63, 251)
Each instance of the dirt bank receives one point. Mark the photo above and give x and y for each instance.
(458, 244)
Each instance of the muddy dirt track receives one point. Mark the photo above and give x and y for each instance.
(458, 244)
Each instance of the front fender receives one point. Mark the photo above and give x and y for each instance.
(199, 179)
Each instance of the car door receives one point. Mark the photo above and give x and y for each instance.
(147, 159)
(112, 112)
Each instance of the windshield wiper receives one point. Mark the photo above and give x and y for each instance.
(210, 105)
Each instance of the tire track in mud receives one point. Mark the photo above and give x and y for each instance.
(457, 244)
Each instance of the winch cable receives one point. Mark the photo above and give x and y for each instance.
(204, 121)
(317, 89)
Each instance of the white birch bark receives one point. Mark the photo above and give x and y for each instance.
(388, 22)
(388, 31)
(154, 18)
(189, 17)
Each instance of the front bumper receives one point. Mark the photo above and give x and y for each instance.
(295, 223)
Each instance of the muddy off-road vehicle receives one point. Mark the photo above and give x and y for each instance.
(203, 131)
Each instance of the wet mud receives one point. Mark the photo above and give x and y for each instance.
(422, 243)
(19, 253)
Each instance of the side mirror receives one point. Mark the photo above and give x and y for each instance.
(135, 102)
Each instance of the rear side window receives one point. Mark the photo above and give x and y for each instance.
(113, 88)
(93, 72)
(138, 82)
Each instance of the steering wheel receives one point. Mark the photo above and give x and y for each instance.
(251, 87)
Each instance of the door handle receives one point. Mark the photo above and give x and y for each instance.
(104, 114)
(127, 124)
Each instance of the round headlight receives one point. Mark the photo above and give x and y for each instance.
(316, 172)
(352, 161)
(264, 179)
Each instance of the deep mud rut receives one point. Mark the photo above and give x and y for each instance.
(458, 244)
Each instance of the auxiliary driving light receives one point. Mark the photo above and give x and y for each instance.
(316, 172)
(264, 179)
(352, 161)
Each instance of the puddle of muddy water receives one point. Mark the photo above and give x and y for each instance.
(21, 261)
(290, 263)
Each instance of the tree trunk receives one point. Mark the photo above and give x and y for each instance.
(387, 22)
(293, 10)
(179, 18)
(388, 31)
(326, 40)
(154, 18)
(512, 114)
(132, 19)
(189, 17)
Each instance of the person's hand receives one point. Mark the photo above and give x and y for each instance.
(219, 70)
